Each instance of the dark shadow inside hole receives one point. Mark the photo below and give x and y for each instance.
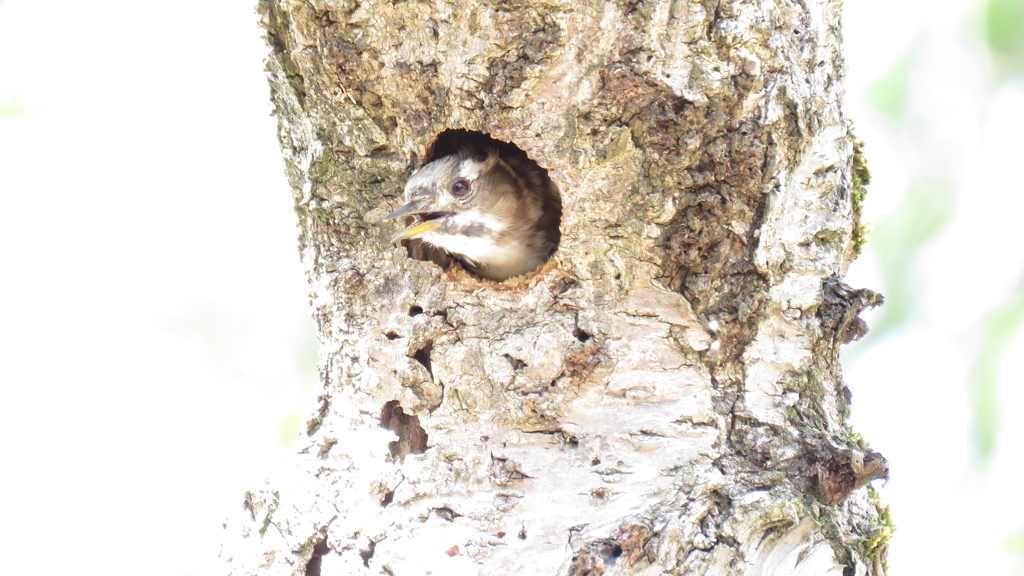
(446, 513)
(581, 335)
(415, 311)
(368, 553)
(412, 438)
(571, 442)
(516, 363)
(314, 566)
(423, 357)
(527, 172)
(391, 335)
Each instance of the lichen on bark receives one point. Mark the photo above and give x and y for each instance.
(664, 396)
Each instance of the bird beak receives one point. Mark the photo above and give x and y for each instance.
(416, 230)
(415, 207)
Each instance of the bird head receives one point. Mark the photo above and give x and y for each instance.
(479, 208)
(446, 199)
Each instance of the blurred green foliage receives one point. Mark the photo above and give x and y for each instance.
(1015, 544)
(1004, 30)
(11, 106)
(1001, 326)
(898, 239)
(889, 94)
(289, 428)
(1003, 23)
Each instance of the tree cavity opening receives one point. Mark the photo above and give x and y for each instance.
(412, 438)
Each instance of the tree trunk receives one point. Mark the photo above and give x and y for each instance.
(662, 397)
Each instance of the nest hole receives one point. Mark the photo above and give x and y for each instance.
(528, 173)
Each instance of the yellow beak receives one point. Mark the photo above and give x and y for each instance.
(417, 229)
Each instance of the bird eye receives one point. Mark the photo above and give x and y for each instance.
(460, 188)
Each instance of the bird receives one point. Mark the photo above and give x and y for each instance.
(496, 210)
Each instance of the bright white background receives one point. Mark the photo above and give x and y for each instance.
(139, 165)
(156, 345)
(956, 140)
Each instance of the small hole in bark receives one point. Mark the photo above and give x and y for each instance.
(391, 336)
(368, 553)
(615, 551)
(571, 442)
(516, 363)
(388, 499)
(315, 563)
(412, 438)
(595, 461)
(564, 286)
(522, 533)
(505, 167)
(446, 513)
(848, 571)
(415, 311)
(581, 335)
(423, 357)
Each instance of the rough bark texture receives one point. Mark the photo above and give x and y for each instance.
(664, 396)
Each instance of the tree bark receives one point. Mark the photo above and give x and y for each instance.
(664, 396)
